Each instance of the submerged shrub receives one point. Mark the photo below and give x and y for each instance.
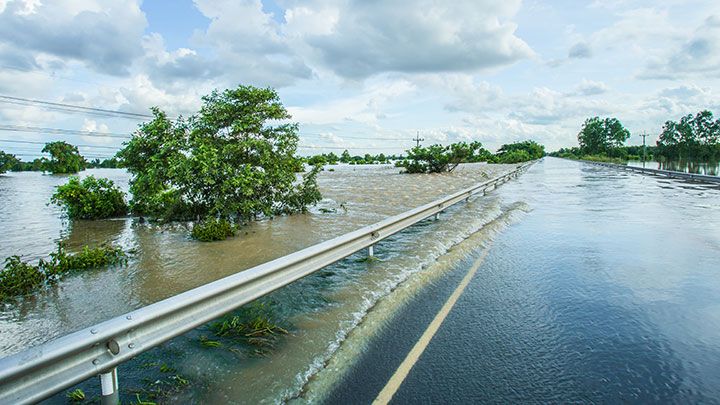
(20, 277)
(90, 199)
(211, 229)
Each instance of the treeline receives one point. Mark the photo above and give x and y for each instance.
(64, 159)
(694, 137)
(623, 153)
(439, 158)
(345, 157)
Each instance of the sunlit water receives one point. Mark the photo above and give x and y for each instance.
(320, 311)
(601, 286)
(708, 168)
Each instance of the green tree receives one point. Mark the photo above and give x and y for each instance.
(7, 161)
(226, 161)
(90, 199)
(345, 157)
(438, 158)
(602, 135)
(520, 152)
(693, 137)
(64, 158)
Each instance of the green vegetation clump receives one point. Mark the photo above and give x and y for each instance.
(75, 396)
(252, 324)
(226, 161)
(6, 161)
(64, 158)
(439, 158)
(602, 136)
(519, 152)
(90, 199)
(600, 140)
(212, 229)
(20, 277)
(692, 138)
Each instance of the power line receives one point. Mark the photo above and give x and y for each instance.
(19, 128)
(354, 137)
(44, 143)
(72, 108)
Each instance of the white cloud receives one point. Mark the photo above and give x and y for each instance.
(106, 41)
(420, 37)
(698, 54)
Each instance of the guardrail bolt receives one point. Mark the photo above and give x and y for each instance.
(93, 331)
(131, 345)
(113, 346)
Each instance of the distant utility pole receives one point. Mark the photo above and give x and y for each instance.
(418, 139)
(644, 135)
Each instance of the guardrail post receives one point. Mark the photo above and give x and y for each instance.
(109, 386)
(437, 216)
(370, 251)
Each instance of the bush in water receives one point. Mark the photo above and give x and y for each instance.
(90, 199)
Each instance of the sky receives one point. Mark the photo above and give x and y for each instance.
(367, 76)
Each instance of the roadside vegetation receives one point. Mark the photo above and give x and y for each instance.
(249, 330)
(90, 198)
(19, 277)
(695, 138)
(439, 158)
(224, 164)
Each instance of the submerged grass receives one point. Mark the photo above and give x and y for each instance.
(252, 325)
(20, 277)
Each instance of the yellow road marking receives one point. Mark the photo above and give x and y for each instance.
(401, 373)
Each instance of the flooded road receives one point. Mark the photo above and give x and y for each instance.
(599, 286)
(319, 311)
(604, 291)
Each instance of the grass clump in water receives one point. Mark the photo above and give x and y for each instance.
(212, 229)
(253, 325)
(75, 396)
(20, 277)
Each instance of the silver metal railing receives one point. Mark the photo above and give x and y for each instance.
(668, 173)
(49, 368)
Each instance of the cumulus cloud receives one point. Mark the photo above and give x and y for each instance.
(248, 44)
(590, 88)
(418, 37)
(103, 34)
(699, 54)
(580, 50)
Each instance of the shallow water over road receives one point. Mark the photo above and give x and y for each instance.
(606, 291)
(319, 311)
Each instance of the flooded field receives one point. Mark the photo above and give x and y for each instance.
(320, 312)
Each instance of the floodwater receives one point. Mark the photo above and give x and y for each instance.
(600, 286)
(708, 168)
(319, 311)
(603, 290)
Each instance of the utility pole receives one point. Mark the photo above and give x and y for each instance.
(644, 135)
(418, 139)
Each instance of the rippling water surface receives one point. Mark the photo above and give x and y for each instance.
(601, 286)
(319, 310)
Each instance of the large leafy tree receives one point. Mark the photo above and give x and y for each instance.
(693, 137)
(602, 135)
(64, 158)
(227, 161)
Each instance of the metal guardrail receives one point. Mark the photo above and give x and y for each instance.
(47, 369)
(668, 173)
